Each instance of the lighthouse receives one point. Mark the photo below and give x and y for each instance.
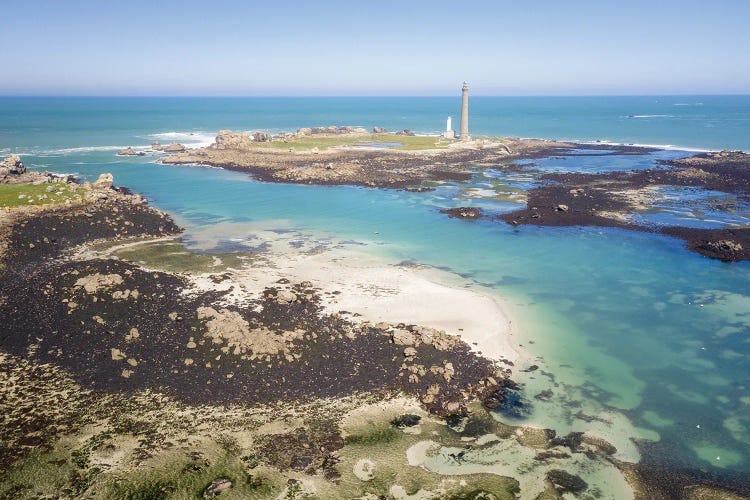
(464, 135)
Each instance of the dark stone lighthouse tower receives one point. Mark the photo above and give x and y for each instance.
(464, 135)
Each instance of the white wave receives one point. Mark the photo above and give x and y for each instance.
(194, 139)
(688, 104)
(643, 145)
(76, 150)
(652, 116)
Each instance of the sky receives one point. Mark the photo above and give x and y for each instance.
(375, 47)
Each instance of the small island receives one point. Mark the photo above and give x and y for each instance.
(350, 155)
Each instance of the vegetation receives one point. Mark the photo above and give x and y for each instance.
(403, 142)
(15, 195)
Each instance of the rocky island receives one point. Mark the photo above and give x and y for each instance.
(350, 155)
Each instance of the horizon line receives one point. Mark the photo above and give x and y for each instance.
(365, 96)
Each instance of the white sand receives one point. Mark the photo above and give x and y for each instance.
(378, 291)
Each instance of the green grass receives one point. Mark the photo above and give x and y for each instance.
(16, 195)
(172, 256)
(308, 143)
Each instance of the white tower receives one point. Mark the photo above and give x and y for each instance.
(449, 133)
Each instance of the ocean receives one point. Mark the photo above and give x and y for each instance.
(626, 327)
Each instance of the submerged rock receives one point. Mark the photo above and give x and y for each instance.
(565, 482)
(408, 420)
(469, 213)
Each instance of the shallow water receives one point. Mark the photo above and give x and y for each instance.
(626, 327)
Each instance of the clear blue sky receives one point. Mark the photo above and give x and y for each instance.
(374, 47)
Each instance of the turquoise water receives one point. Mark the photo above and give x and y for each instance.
(708, 122)
(620, 321)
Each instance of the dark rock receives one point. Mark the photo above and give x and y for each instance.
(217, 487)
(470, 213)
(572, 441)
(407, 420)
(565, 482)
(406, 132)
(379, 130)
(419, 189)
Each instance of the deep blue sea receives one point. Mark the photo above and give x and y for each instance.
(631, 326)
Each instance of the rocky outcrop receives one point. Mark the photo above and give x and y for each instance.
(406, 132)
(379, 130)
(12, 165)
(130, 152)
(157, 146)
(333, 130)
(226, 139)
(175, 147)
(104, 182)
(468, 213)
(261, 136)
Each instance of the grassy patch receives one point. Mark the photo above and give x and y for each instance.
(407, 143)
(15, 195)
(374, 435)
(172, 256)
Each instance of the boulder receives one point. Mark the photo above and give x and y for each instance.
(130, 152)
(217, 487)
(564, 482)
(379, 130)
(261, 137)
(285, 297)
(403, 337)
(175, 147)
(323, 130)
(407, 132)
(304, 131)
(469, 213)
(104, 182)
(157, 146)
(226, 139)
(562, 208)
(12, 165)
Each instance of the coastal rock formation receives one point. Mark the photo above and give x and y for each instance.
(12, 165)
(468, 213)
(379, 130)
(157, 146)
(406, 132)
(226, 139)
(130, 152)
(175, 147)
(333, 130)
(104, 182)
(261, 136)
